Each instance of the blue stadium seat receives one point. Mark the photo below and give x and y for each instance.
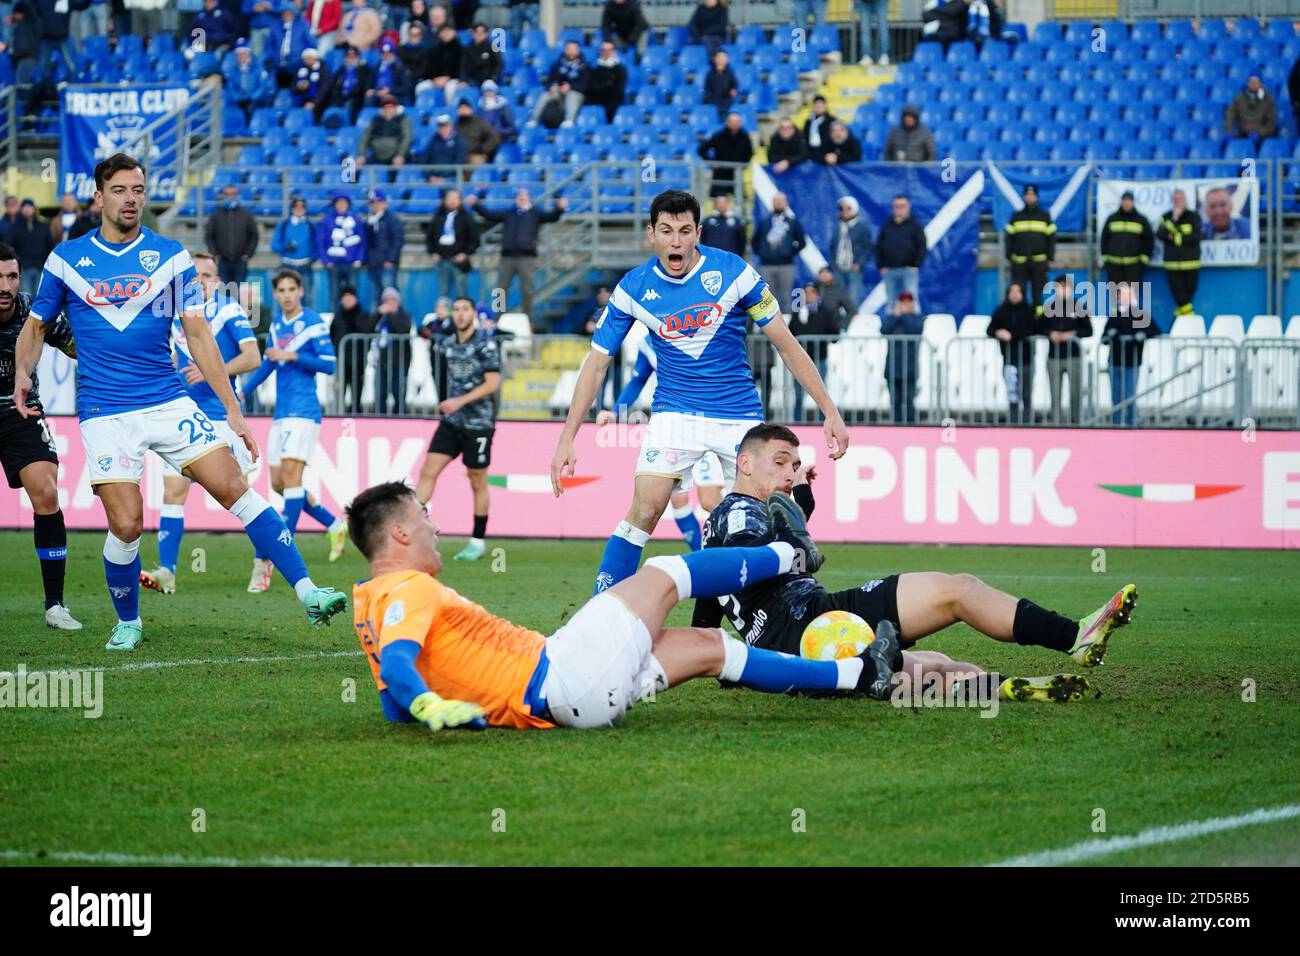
(348, 139)
(568, 137)
(623, 153)
(1118, 131)
(1145, 32)
(287, 156)
(928, 53)
(784, 78)
(1040, 73)
(751, 36)
(694, 58)
(825, 38)
(1078, 32)
(1097, 150)
(963, 152)
(670, 77)
(762, 98)
(1050, 132)
(233, 122)
(1048, 32)
(1137, 152)
(251, 156)
(687, 96)
(703, 119)
(1139, 112)
(768, 57)
(1240, 148)
(666, 117)
(648, 96)
(590, 117)
(994, 52)
(1074, 73)
(963, 51)
(1027, 53)
(627, 116)
(1180, 31)
(1275, 148)
(1016, 132)
(533, 40)
(1207, 71)
(656, 58)
(998, 152)
(1061, 54)
(1170, 149)
(605, 137)
(1246, 28)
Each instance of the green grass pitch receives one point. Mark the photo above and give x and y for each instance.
(283, 765)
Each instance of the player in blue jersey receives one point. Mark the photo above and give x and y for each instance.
(120, 286)
(302, 348)
(694, 300)
(238, 346)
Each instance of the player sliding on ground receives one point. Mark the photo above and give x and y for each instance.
(443, 660)
(774, 613)
(121, 286)
(694, 300)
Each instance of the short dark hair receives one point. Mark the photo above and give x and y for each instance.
(764, 433)
(674, 202)
(464, 298)
(7, 252)
(293, 275)
(115, 164)
(371, 512)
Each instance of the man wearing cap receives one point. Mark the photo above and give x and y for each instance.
(341, 245)
(1126, 242)
(1031, 246)
(285, 43)
(902, 322)
(451, 238)
(247, 83)
(392, 352)
(383, 243)
(446, 150)
(521, 227)
(481, 140)
(312, 82)
(29, 235)
(231, 236)
(850, 249)
(909, 142)
(480, 62)
(387, 138)
(496, 112)
(391, 77)
(294, 242)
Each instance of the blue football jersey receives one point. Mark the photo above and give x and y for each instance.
(697, 331)
(120, 299)
(231, 328)
(308, 336)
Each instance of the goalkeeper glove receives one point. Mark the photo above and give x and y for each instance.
(439, 714)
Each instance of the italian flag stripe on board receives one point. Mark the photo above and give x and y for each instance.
(535, 484)
(1156, 491)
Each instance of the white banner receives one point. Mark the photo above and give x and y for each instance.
(1229, 211)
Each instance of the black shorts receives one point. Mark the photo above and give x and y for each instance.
(875, 601)
(474, 445)
(22, 442)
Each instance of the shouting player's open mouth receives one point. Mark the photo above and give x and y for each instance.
(676, 261)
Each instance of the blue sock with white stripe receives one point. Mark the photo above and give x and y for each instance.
(272, 538)
(775, 673)
(622, 555)
(714, 572)
(294, 499)
(122, 572)
(688, 525)
(171, 528)
(319, 512)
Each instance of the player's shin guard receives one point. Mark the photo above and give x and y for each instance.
(622, 555)
(171, 528)
(294, 499)
(122, 572)
(720, 571)
(270, 537)
(688, 525)
(776, 673)
(52, 548)
(316, 511)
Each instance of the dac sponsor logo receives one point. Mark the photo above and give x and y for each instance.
(117, 290)
(687, 321)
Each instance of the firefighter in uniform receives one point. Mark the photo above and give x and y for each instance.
(1126, 241)
(1180, 232)
(1031, 246)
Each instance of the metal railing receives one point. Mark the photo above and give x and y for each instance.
(9, 126)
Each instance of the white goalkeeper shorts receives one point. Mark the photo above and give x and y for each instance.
(237, 447)
(600, 665)
(675, 442)
(177, 431)
(292, 438)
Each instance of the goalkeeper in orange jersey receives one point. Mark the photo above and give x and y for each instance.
(440, 659)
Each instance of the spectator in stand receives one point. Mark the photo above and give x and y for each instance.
(817, 129)
(724, 229)
(414, 51)
(801, 11)
(384, 239)
(720, 84)
(903, 324)
(261, 18)
(25, 42)
(523, 14)
(439, 323)
(521, 228)
(61, 225)
(416, 15)
(567, 80)
(231, 236)
(30, 237)
(709, 25)
(900, 250)
(350, 319)
(602, 300)
(311, 85)
(786, 149)
(438, 16)
(832, 293)
(480, 62)
(88, 221)
(89, 18)
(451, 238)
(348, 89)
(1180, 235)
(1031, 244)
(777, 242)
(623, 22)
(1127, 329)
(909, 141)
(873, 31)
(294, 241)
(341, 246)
(480, 138)
(951, 17)
(323, 18)
(390, 78)
(495, 109)
(1126, 242)
(285, 45)
(220, 29)
(850, 249)
(1065, 320)
(1014, 325)
(247, 83)
(10, 217)
(608, 81)
(1252, 113)
(443, 65)
(361, 26)
(392, 352)
(842, 148)
(445, 151)
(731, 144)
(815, 324)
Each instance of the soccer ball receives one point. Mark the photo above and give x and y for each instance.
(834, 636)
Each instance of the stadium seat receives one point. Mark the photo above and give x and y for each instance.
(1264, 326)
(1240, 148)
(1227, 326)
(1188, 326)
(1180, 31)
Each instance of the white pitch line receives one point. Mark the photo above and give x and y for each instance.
(180, 859)
(209, 662)
(1092, 849)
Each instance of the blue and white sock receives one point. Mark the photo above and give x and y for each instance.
(776, 673)
(714, 572)
(122, 572)
(171, 528)
(294, 499)
(316, 510)
(622, 555)
(688, 525)
(272, 538)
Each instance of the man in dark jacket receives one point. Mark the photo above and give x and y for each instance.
(1066, 320)
(1252, 112)
(608, 81)
(392, 352)
(786, 149)
(387, 138)
(1127, 330)
(1180, 234)
(450, 239)
(25, 42)
(724, 229)
(445, 151)
(817, 130)
(383, 243)
(348, 86)
(391, 78)
(909, 142)
(850, 249)
(312, 83)
(720, 84)
(443, 63)
(480, 137)
(903, 324)
(900, 249)
(351, 319)
(708, 24)
(836, 299)
(623, 22)
(521, 228)
(414, 53)
(952, 16)
(1126, 242)
(1015, 324)
(9, 217)
(1031, 245)
(567, 80)
(842, 148)
(231, 236)
(815, 324)
(220, 29)
(29, 235)
(777, 243)
(480, 61)
(730, 144)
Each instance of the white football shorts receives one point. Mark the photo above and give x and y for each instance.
(292, 438)
(675, 442)
(177, 431)
(237, 447)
